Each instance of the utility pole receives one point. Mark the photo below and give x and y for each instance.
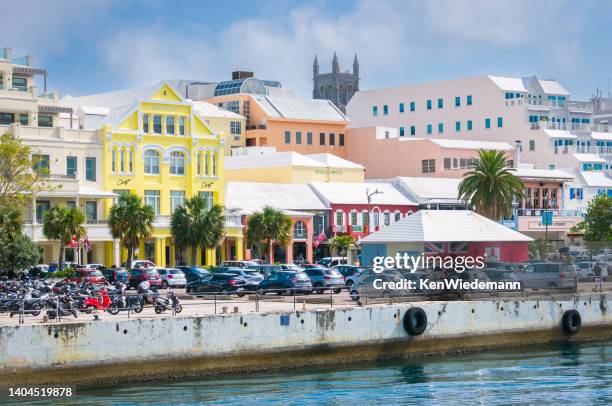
(369, 197)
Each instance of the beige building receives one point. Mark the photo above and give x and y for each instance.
(223, 121)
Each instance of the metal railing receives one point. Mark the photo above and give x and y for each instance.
(556, 212)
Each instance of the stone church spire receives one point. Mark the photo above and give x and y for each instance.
(315, 68)
(356, 66)
(335, 64)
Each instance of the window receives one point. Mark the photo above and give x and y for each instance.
(23, 119)
(469, 125)
(177, 163)
(45, 121)
(440, 103)
(40, 164)
(397, 216)
(6, 118)
(341, 140)
(131, 161)
(469, 100)
(90, 169)
(332, 139)
(374, 111)
(428, 165)
(122, 152)
(157, 124)
(177, 198)
(447, 164)
(375, 218)
(181, 121)
(412, 106)
(151, 162)
(353, 220)
(401, 131)
(401, 107)
(487, 123)
(42, 206)
(287, 137)
(531, 145)
(235, 127)
(207, 164)
(114, 160)
(208, 198)
(322, 139)
(339, 218)
(309, 138)
(428, 104)
(385, 110)
(440, 128)
(457, 126)
(145, 123)
(298, 137)
(71, 166)
(151, 198)
(500, 122)
(387, 218)
(387, 134)
(457, 101)
(214, 164)
(20, 83)
(413, 130)
(170, 125)
(91, 211)
(429, 129)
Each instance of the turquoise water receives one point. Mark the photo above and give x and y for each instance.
(552, 374)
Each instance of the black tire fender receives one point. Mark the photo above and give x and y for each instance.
(571, 322)
(415, 321)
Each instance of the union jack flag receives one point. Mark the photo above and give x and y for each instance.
(459, 247)
(433, 248)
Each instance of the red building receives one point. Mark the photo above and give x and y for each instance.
(357, 207)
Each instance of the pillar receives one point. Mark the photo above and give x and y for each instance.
(211, 258)
(141, 250)
(160, 248)
(271, 253)
(172, 255)
(224, 250)
(116, 253)
(239, 249)
(309, 251)
(198, 256)
(289, 253)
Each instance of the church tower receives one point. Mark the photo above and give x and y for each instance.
(336, 86)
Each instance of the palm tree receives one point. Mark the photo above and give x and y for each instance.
(129, 221)
(267, 226)
(342, 243)
(62, 223)
(491, 187)
(194, 225)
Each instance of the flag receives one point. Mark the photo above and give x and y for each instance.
(434, 248)
(321, 237)
(86, 243)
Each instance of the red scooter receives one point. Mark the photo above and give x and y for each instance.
(99, 302)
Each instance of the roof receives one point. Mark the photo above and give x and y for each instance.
(601, 136)
(551, 86)
(560, 134)
(206, 109)
(299, 109)
(444, 226)
(118, 98)
(589, 158)
(288, 158)
(533, 173)
(509, 84)
(356, 193)
(596, 179)
(82, 192)
(253, 196)
(469, 144)
(430, 190)
(335, 161)
(245, 85)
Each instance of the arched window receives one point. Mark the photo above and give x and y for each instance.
(131, 161)
(299, 229)
(177, 163)
(214, 164)
(151, 162)
(114, 160)
(199, 162)
(207, 164)
(122, 160)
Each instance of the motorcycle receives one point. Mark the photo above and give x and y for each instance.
(170, 302)
(61, 307)
(98, 301)
(120, 301)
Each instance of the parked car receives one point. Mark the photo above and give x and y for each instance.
(238, 264)
(172, 277)
(291, 267)
(288, 282)
(509, 266)
(500, 274)
(217, 283)
(265, 269)
(138, 263)
(591, 269)
(192, 272)
(352, 273)
(114, 275)
(93, 266)
(323, 279)
(543, 275)
(251, 277)
(38, 270)
(87, 275)
(144, 274)
(54, 266)
(332, 261)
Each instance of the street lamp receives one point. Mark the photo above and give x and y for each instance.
(369, 196)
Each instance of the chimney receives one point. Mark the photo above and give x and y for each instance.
(241, 74)
(517, 153)
(8, 53)
(29, 60)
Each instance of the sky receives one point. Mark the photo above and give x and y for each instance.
(96, 46)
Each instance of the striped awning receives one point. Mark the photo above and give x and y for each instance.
(54, 109)
(28, 70)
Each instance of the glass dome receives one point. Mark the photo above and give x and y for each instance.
(248, 85)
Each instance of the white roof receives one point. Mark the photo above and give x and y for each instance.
(206, 109)
(118, 98)
(335, 161)
(535, 173)
(469, 144)
(94, 110)
(82, 192)
(553, 87)
(560, 134)
(596, 179)
(288, 158)
(252, 196)
(355, 193)
(431, 190)
(589, 158)
(299, 109)
(509, 84)
(601, 136)
(443, 226)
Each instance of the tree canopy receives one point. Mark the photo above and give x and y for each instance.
(597, 225)
(268, 225)
(129, 221)
(61, 223)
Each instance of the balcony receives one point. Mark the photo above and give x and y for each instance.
(300, 234)
(51, 133)
(96, 230)
(162, 221)
(233, 221)
(530, 220)
(340, 229)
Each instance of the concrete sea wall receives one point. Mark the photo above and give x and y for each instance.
(143, 349)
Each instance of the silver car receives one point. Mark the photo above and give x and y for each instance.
(172, 277)
(549, 275)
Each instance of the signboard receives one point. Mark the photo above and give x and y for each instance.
(547, 217)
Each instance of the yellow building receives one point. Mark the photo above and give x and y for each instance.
(158, 146)
(225, 121)
(263, 165)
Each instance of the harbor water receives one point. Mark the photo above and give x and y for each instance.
(569, 373)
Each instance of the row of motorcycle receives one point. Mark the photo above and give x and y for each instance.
(64, 298)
